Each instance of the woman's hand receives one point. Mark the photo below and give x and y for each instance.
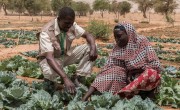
(136, 71)
(132, 74)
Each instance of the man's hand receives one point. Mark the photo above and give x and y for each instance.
(70, 87)
(93, 55)
(93, 52)
(57, 67)
(56, 45)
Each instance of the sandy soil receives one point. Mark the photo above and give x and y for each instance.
(9, 52)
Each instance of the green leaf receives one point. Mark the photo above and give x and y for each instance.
(1, 104)
(42, 99)
(2, 87)
(6, 77)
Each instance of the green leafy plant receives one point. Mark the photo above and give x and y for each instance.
(19, 95)
(106, 100)
(102, 53)
(17, 37)
(136, 103)
(100, 62)
(164, 40)
(169, 91)
(21, 66)
(109, 46)
(32, 54)
(99, 29)
(42, 100)
(6, 78)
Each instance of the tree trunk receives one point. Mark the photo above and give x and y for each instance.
(4, 8)
(149, 17)
(144, 14)
(19, 16)
(102, 14)
(167, 17)
(32, 18)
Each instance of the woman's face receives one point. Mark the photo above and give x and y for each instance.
(121, 37)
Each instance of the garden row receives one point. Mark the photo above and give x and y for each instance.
(169, 91)
(16, 94)
(10, 38)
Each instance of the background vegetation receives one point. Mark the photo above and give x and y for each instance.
(50, 7)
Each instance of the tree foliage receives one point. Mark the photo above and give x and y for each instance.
(19, 6)
(82, 8)
(3, 4)
(124, 7)
(46, 8)
(34, 6)
(165, 7)
(57, 4)
(101, 5)
(144, 5)
(114, 7)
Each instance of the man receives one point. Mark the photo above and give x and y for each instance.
(56, 51)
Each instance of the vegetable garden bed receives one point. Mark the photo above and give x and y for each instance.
(169, 94)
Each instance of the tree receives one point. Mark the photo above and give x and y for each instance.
(10, 5)
(57, 4)
(3, 4)
(114, 7)
(34, 7)
(91, 11)
(144, 5)
(19, 6)
(165, 7)
(82, 8)
(46, 7)
(101, 5)
(124, 7)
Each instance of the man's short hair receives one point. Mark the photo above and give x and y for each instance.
(66, 11)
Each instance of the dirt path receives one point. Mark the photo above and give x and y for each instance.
(168, 108)
(151, 28)
(9, 52)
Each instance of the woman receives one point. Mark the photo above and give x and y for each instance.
(132, 67)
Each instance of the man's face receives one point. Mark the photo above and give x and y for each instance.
(65, 23)
(121, 37)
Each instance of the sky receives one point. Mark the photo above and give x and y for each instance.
(134, 5)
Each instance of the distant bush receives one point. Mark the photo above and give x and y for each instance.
(99, 29)
(146, 22)
(116, 20)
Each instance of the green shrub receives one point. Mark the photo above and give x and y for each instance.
(99, 29)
